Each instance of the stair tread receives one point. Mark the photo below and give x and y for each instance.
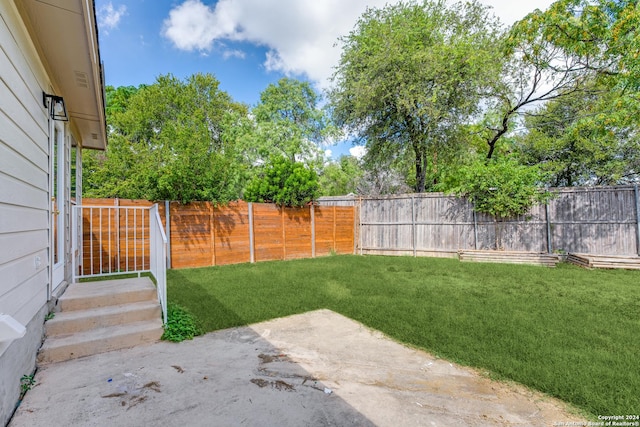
(107, 287)
(63, 316)
(100, 334)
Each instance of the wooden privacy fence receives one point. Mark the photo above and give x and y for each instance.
(201, 234)
(598, 220)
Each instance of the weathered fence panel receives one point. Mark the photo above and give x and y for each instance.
(597, 220)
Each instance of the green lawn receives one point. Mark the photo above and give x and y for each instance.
(569, 332)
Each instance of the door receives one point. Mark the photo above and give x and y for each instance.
(58, 204)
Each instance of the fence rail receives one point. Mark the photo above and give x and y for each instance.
(597, 220)
(600, 220)
(201, 234)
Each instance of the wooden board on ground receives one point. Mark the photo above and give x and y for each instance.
(627, 262)
(534, 258)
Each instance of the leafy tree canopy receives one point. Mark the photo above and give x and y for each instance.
(290, 123)
(283, 182)
(584, 138)
(169, 140)
(411, 74)
(342, 177)
(502, 188)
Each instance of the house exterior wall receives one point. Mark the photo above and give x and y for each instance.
(24, 201)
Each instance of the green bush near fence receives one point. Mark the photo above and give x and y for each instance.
(568, 332)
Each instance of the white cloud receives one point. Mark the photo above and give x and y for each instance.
(328, 153)
(233, 53)
(109, 17)
(358, 151)
(510, 11)
(301, 36)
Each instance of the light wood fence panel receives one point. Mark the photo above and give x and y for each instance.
(201, 234)
(191, 234)
(269, 232)
(231, 234)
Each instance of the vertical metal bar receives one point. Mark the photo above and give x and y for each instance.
(74, 243)
(312, 211)
(126, 239)
(143, 235)
(413, 225)
(109, 234)
(635, 191)
(118, 249)
(167, 228)
(252, 250)
(135, 240)
(100, 241)
(91, 239)
(548, 215)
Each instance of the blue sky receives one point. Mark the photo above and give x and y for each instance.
(246, 44)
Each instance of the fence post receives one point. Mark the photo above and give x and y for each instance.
(360, 223)
(355, 228)
(413, 225)
(546, 208)
(212, 231)
(167, 230)
(284, 234)
(252, 256)
(475, 228)
(334, 229)
(635, 191)
(313, 230)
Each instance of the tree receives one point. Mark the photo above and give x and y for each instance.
(556, 53)
(341, 177)
(117, 99)
(170, 140)
(411, 74)
(283, 182)
(502, 188)
(584, 138)
(290, 123)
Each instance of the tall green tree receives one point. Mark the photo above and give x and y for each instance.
(289, 122)
(170, 140)
(558, 52)
(411, 75)
(341, 177)
(584, 138)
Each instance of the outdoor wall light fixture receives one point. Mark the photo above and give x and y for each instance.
(57, 109)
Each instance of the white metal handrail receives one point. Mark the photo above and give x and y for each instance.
(114, 240)
(158, 258)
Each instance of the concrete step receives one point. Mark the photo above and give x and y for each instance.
(70, 322)
(100, 340)
(83, 296)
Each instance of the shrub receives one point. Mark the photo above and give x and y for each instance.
(181, 324)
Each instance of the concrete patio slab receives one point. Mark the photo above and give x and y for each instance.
(313, 369)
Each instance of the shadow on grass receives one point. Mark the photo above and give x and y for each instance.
(209, 312)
